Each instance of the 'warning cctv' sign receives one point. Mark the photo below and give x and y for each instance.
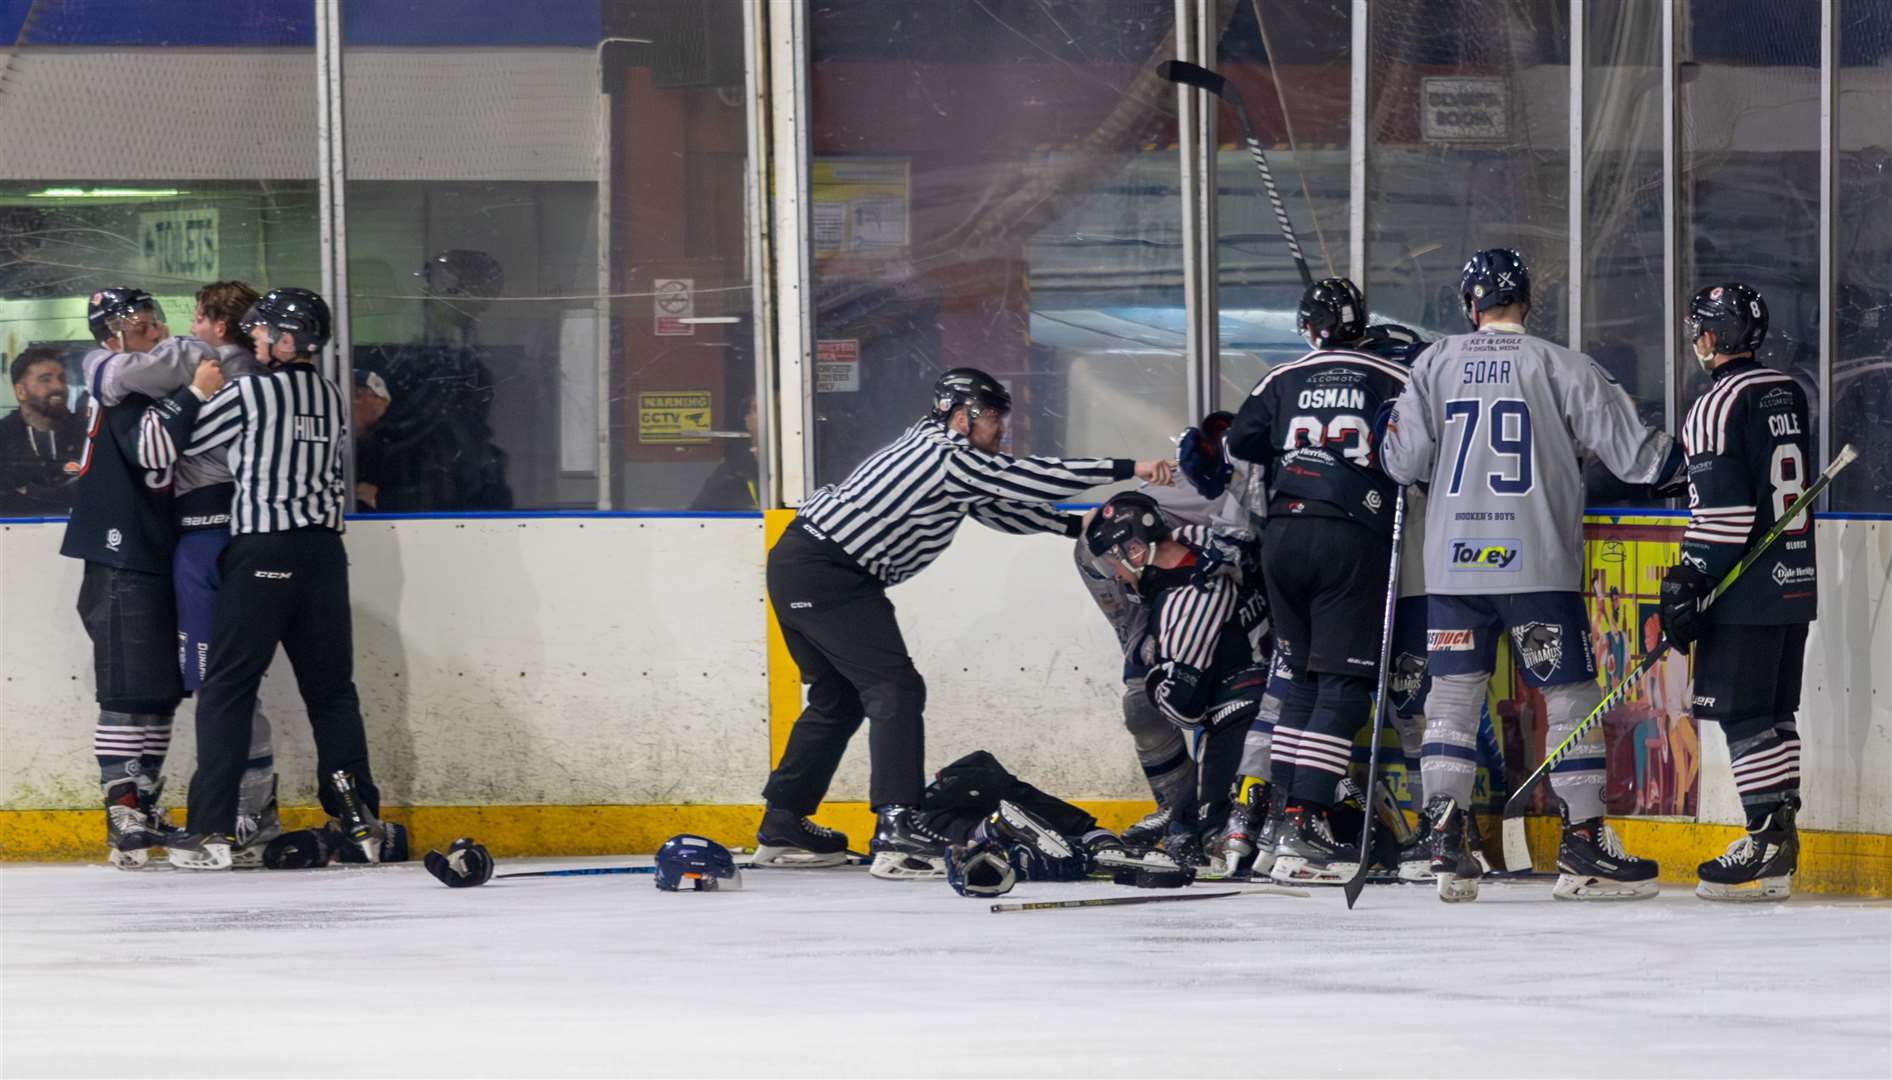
(674, 417)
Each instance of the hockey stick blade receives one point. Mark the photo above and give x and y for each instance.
(1125, 901)
(1188, 74)
(1517, 848)
(1357, 882)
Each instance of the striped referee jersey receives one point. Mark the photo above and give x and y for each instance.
(898, 510)
(284, 431)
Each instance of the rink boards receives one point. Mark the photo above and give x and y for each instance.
(593, 684)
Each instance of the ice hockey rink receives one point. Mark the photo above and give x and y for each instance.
(382, 971)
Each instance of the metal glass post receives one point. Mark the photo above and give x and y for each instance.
(1575, 263)
(1206, 367)
(1829, 205)
(1189, 101)
(1356, 150)
(756, 206)
(332, 185)
(1671, 209)
(793, 420)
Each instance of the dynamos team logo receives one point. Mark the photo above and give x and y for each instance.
(1408, 675)
(1540, 647)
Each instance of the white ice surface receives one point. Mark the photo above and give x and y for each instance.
(382, 971)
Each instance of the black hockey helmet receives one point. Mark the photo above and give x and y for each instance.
(1126, 517)
(463, 272)
(1332, 312)
(1391, 341)
(1734, 312)
(109, 305)
(1493, 278)
(972, 388)
(296, 311)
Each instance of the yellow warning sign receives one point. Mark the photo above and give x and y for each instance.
(678, 416)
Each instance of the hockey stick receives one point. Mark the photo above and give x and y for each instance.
(1119, 901)
(1187, 74)
(1517, 848)
(595, 871)
(1380, 706)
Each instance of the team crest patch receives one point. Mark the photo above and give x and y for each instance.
(1540, 647)
(1408, 675)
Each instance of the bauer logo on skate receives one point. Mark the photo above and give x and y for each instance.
(1501, 554)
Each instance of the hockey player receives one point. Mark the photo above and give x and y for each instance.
(1749, 459)
(121, 526)
(1159, 744)
(1496, 421)
(1325, 555)
(203, 491)
(828, 577)
(1207, 669)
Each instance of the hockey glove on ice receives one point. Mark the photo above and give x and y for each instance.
(465, 864)
(1683, 590)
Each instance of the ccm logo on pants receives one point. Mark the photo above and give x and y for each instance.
(274, 575)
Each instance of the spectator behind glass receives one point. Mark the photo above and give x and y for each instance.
(733, 485)
(42, 442)
(370, 405)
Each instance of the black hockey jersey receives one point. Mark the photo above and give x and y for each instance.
(122, 514)
(1308, 423)
(1748, 460)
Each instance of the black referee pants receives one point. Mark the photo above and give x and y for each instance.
(287, 588)
(840, 628)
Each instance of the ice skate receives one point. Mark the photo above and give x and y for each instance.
(1013, 824)
(129, 836)
(1758, 866)
(1415, 856)
(200, 851)
(1183, 845)
(903, 849)
(363, 837)
(1149, 829)
(1592, 865)
(257, 821)
(1308, 854)
(787, 840)
(1233, 848)
(1453, 864)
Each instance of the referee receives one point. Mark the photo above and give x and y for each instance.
(285, 573)
(828, 577)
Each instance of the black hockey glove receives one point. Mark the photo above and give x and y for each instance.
(979, 870)
(465, 864)
(1683, 590)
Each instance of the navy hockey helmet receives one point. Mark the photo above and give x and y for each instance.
(1734, 312)
(1332, 312)
(704, 863)
(1493, 278)
(296, 311)
(1391, 341)
(110, 305)
(1127, 517)
(972, 388)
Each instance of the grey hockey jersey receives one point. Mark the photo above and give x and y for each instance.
(1497, 423)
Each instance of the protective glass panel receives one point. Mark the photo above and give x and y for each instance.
(1468, 148)
(1291, 63)
(141, 150)
(1750, 183)
(995, 185)
(1862, 363)
(478, 143)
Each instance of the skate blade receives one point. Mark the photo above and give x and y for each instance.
(1454, 889)
(1294, 870)
(1748, 892)
(1591, 887)
(201, 860)
(1149, 860)
(895, 866)
(133, 859)
(1048, 842)
(1417, 872)
(770, 857)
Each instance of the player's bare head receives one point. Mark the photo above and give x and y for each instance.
(220, 307)
(1495, 286)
